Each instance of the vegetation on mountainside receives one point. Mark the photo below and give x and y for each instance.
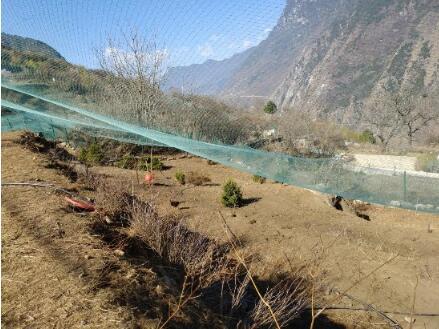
(270, 107)
(21, 44)
(111, 90)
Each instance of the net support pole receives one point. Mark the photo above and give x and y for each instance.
(405, 186)
(53, 132)
(67, 135)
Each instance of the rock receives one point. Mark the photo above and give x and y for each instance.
(159, 289)
(336, 202)
(119, 252)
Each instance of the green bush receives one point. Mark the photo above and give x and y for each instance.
(232, 195)
(270, 107)
(145, 163)
(128, 161)
(91, 155)
(428, 163)
(258, 179)
(367, 137)
(180, 177)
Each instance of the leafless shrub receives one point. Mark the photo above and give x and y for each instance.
(133, 75)
(87, 178)
(301, 134)
(287, 299)
(146, 225)
(197, 179)
(281, 303)
(208, 266)
(35, 142)
(240, 287)
(201, 257)
(113, 199)
(432, 138)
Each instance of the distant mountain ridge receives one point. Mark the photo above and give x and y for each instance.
(18, 43)
(211, 77)
(330, 56)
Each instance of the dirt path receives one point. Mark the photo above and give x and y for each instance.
(397, 162)
(47, 255)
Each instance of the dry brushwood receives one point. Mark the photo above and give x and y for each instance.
(210, 269)
(113, 200)
(201, 257)
(197, 179)
(287, 300)
(280, 304)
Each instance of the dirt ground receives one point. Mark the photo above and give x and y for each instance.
(49, 258)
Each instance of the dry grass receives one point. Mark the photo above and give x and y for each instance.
(197, 179)
(113, 200)
(209, 270)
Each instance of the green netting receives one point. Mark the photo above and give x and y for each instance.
(24, 107)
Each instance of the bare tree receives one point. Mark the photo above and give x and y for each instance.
(134, 72)
(391, 115)
(415, 113)
(382, 118)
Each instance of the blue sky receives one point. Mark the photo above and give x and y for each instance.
(190, 31)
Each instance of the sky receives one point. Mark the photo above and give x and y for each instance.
(187, 31)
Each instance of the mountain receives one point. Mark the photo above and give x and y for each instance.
(18, 43)
(330, 56)
(211, 77)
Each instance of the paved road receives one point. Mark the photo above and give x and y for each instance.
(407, 163)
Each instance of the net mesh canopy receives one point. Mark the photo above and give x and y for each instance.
(111, 85)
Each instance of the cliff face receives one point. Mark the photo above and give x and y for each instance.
(329, 56)
(393, 44)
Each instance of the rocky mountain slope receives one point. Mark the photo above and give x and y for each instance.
(329, 56)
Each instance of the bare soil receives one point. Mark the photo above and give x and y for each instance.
(53, 265)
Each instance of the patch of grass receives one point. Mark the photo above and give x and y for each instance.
(92, 154)
(428, 162)
(259, 179)
(128, 161)
(232, 195)
(367, 137)
(197, 179)
(180, 177)
(148, 163)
